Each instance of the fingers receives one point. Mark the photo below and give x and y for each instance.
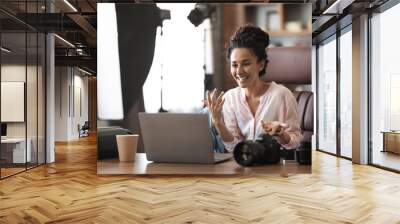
(220, 99)
(221, 103)
(274, 128)
(215, 101)
(284, 126)
(221, 94)
(267, 126)
(214, 95)
(214, 98)
(208, 99)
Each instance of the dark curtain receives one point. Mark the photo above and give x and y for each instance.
(137, 26)
(137, 29)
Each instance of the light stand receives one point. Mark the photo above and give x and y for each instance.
(197, 16)
(207, 77)
(161, 110)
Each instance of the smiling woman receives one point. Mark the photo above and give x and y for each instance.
(255, 106)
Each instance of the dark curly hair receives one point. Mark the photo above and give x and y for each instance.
(253, 38)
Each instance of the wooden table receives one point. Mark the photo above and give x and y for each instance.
(142, 166)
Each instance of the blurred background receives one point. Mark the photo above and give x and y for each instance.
(190, 59)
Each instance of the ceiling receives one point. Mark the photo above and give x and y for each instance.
(76, 25)
(75, 21)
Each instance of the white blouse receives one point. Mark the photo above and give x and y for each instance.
(276, 104)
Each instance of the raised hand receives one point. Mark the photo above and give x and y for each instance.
(274, 128)
(215, 101)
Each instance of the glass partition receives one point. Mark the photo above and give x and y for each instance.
(13, 105)
(22, 90)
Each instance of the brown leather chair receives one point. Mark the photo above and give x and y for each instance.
(305, 109)
(292, 65)
(289, 65)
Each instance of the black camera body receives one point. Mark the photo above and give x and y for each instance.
(266, 150)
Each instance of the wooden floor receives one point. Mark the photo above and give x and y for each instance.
(70, 191)
(10, 171)
(386, 159)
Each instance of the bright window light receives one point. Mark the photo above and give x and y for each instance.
(327, 97)
(385, 81)
(109, 93)
(179, 58)
(346, 75)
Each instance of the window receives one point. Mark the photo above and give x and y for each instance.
(177, 68)
(327, 96)
(385, 84)
(346, 94)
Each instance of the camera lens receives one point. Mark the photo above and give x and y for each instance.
(245, 153)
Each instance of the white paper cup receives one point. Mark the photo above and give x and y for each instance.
(127, 147)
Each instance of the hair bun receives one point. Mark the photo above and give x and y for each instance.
(249, 33)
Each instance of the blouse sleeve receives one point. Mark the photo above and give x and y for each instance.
(230, 121)
(291, 118)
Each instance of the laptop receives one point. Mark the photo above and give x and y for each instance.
(178, 138)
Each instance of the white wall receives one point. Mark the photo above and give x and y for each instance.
(13, 73)
(79, 117)
(61, 103)
(33, 126)
(71, 87)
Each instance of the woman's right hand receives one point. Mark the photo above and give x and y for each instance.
(215, 101)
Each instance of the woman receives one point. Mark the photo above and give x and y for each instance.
(255, 106)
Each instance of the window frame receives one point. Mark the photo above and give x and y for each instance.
(347, 27)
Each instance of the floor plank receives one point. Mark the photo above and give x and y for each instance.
(386, 159)
(70, 191)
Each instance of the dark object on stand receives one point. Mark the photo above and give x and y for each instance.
(303, 153)
(265, 150)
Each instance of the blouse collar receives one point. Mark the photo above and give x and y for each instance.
(243, 92)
